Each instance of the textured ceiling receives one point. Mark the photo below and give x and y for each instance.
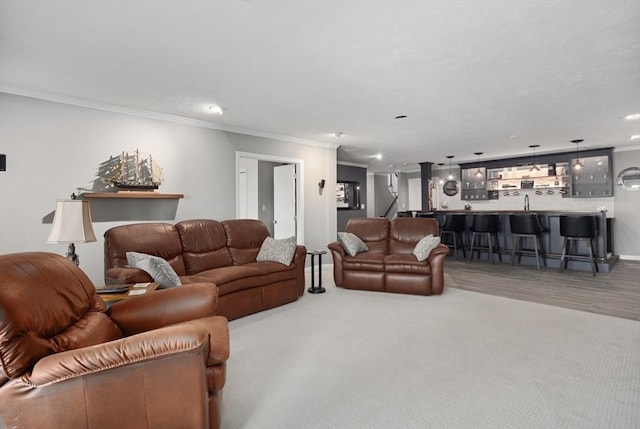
(489, 76)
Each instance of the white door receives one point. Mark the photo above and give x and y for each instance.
(415, 194)
(284, 201)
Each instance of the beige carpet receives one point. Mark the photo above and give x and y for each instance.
(353, 359)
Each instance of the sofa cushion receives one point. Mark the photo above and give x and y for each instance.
(373, 231)
(366, 261)
(280, 251)
(231, 279)
(351, 243)
(159, 269)
(204, 245)
(425, 246)
(244, 239)
(405, 263)
(406, 232)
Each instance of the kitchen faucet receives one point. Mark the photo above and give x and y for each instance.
(526, 203)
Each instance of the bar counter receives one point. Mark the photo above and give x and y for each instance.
(551, 238)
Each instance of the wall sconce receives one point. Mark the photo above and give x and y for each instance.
(72, 224)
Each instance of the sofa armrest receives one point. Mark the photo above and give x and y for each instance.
(338, 254)
(436, 260)
(126, 275)
(165, 307)
(114, 354)
(300, 255)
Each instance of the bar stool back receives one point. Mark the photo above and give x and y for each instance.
(578, 228)
(486, 225)
(454, 226)
(525, 226)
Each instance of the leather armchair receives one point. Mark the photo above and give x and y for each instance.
(155, 361)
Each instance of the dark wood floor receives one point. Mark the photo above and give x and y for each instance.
(614, 294)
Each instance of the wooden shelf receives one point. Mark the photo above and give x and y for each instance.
(131, 195)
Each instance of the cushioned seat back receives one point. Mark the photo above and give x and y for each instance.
(158, 239)
(374, 231)
(404, 233)
(244, 238)
(204, 245)
(47, 305)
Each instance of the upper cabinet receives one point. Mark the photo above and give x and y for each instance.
(590, 177)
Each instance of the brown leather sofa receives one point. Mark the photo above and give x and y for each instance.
(205, 250)
(154, 361)
(389, 265)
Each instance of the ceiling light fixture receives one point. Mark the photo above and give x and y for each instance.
(401, 117)
(534, 167)
(215, 109)
(635, 137)
(577, 164)
(479, 172)
(441, 181)
(378, 156)
(338, 134)
(632, 117)
(450, 176)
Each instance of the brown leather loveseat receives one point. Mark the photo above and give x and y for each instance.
(155, 361)
(205, 250)
(389, 265)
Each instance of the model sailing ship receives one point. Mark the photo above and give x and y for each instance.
(134, 172)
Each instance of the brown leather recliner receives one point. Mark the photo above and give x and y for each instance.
(154, 361)
(389, 265)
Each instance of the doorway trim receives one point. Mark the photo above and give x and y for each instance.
(299, 185)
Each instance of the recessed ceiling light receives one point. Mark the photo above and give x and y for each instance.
(215, 109)
(635, 137)
(338, 134)
(632, 117)
(378, 156)
(401, 116)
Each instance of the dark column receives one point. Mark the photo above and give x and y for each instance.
(425, 177)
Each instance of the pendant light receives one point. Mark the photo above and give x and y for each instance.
(578, 163)
(441, 181)
(534, 167)
(450, 157)
(479, 172)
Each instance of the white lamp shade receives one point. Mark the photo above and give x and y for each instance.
(72, 223)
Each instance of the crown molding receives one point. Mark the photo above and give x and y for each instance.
(114, 108)
(626, 148)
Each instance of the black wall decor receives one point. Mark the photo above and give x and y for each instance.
(3, 162)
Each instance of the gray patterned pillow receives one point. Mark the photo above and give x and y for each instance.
(281, 251)
(425, 246)
(352, 243)
(158, 268)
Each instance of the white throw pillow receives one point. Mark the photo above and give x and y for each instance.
(352, 243)
(281, 251)
(158, 268)
(425, 246)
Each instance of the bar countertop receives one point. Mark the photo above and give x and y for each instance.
(551, 212)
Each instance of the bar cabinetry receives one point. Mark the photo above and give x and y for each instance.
(593, 178)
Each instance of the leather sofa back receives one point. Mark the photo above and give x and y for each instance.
(373, 231)
(404, 233)
(159, 239)
(244, 239)
(65, 314)
(204, 245)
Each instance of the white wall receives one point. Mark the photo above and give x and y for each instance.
(626, 225)
(52, 149)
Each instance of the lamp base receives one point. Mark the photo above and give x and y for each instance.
(71, 254)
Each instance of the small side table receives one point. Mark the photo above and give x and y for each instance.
(131, 291)
(318, 288)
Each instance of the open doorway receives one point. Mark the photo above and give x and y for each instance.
(270, 188)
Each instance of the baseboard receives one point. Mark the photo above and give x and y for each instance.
(629, 258)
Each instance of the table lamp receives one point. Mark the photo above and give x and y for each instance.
(72, 224)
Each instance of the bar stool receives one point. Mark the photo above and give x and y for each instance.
(525, 226)
(454, 225)
(488, 225)
(578, 228)
(425, 214)
(404, 214)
